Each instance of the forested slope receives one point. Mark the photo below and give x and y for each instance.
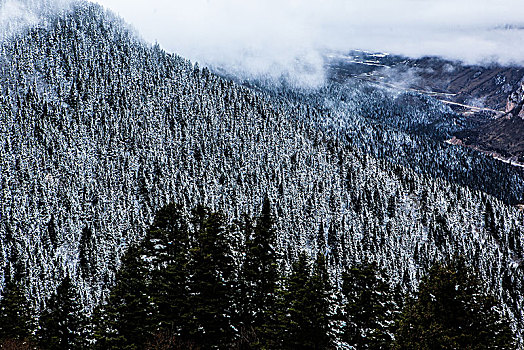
(99, 130)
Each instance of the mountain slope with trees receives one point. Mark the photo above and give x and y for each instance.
(99, 130)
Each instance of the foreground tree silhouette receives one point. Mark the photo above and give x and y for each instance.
(259, 278)
(211, 273)
(15, 315)
(452, 311)
(167, 248)
(369, 309)
(125, 322)
(305, 315)
(61, 322)
(320, 304)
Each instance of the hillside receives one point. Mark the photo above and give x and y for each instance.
(505, 135)
(451, 81)
(99, 130)
(481, 94)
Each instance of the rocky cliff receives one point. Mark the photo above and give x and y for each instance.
(516, 102)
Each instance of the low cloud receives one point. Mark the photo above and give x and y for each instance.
(15, 16)
(271, 38)
(18, 15)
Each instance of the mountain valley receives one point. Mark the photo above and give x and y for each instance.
(481, 93)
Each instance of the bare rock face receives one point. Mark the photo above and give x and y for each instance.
(516, 102)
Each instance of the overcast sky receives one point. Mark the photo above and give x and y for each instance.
(266, 36)
(275, 36)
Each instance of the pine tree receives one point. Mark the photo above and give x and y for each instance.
(259, 277)
(392, 206)
(126, 321)
(321, 240)
(296, 298)
(210, 284)
(320, 304)
(305, 323)
(86, 253)
(490, 224)
(452, 311)
(51, 232)
(16, 323)
(333, 242)
(61, 322)
(368, 308)
(167, 247)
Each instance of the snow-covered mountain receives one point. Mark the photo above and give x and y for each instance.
(98, 130)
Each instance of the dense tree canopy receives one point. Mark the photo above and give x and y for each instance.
(99, 131)
(453, 311)
(16, 322)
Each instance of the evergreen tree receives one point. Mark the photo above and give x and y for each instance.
(321, 240)
(210, 284)
(86, 252)
(167, 247)
(333, 242)
(320, 304)
(296, 299)
(259, 277)
(306, 320)
(452, 311)
(392, 205)
(51, 232)
(369, 310)
(16, 323)
(490, 223)
(61, 322)
(126, 321)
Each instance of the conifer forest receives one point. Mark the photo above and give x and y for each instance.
(150, 203)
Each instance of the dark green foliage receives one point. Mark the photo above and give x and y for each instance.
(306, 297)
(126, 321)
(210, 283)
(168, 341)
(452, 311)
(259, 278)
(296, 297)
(320, 304)
(15, 313)
(51, 232)
(490, 223)
(333, 241)
(86, 253)
(61, 322)
(187, 296)
(167, 247)
(439, 230)
(321, 240)
(369, 309)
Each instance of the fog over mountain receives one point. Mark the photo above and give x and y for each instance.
(15, 15)
(270, 37)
